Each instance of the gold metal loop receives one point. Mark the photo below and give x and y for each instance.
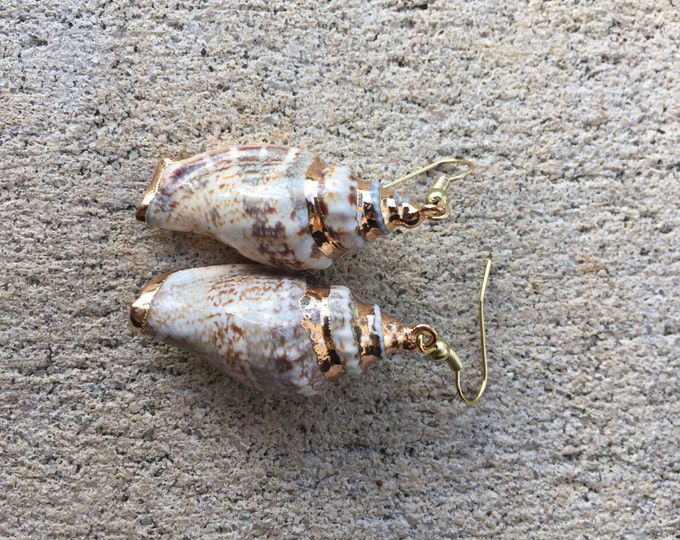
(425, 335)
(436, 201)
(440, 351)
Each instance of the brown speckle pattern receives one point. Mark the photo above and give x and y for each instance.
(244, 319)
(275, 205)
(249, 197)
(269, 329)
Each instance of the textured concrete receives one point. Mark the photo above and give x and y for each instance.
(570, 110)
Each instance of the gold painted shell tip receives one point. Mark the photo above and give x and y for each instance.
(142, 211)
(139, 311)
(141, 215)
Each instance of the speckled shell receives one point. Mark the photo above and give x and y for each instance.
(275, 205)
(267, 329)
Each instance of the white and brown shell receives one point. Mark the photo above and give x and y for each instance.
(275, 205)
(268, 329)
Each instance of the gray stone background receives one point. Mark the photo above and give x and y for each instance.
(570, 111)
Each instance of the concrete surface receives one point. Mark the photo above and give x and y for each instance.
(569, 109)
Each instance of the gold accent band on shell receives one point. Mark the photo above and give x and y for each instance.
(316, 320)
(320, 234)
(151, 190)
(139, 311)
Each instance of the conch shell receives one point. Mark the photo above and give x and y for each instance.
(268, 329)
(275, 205)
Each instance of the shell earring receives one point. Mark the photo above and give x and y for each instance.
(283, 207)
(277, 332)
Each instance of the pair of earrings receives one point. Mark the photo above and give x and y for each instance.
(266, 327)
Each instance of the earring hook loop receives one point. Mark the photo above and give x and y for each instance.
(436, 201)
(440, 351)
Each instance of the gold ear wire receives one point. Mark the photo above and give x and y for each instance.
(436, 201)
(440, 351)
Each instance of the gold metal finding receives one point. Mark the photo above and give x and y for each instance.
(440, 351)
(436, 201)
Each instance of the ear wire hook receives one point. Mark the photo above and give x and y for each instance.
(436, 201)
(440, 351)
